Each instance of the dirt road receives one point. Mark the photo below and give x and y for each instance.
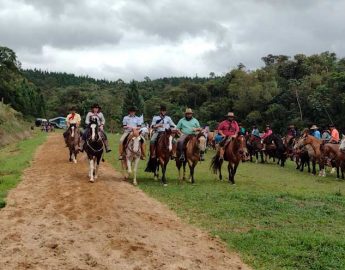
(56, 219)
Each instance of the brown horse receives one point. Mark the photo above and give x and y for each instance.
(72, 140)
(332, 155)
(164, 149)
(211, 143)
(255, 146)
(195, 147)
(316, 156)
(234, 152)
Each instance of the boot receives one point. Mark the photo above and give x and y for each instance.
(221, 153)
(143, 151)
(152, 151)
(106, 146)
(202, 157)
(173, 152)
(121, 151)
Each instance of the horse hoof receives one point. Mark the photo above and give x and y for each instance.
(92, 180)
(135, 183)
(165, 185)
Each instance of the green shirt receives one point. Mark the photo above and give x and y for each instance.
(187, 126)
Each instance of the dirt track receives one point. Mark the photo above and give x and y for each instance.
(56, 219)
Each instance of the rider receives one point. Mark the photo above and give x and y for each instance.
(255, 131)
(187, 125)
(228, 129)
(129, 123)
(95, 114)
(159, 124)
(315, 132)
(242, 130)
(72, 118)
(291, 131)
(326, 135)
(334, 134)
(268, 132)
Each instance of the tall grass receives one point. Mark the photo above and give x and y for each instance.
(276, 218)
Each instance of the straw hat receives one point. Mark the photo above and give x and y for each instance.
(188, 110)
(313, 127)
(230, 114)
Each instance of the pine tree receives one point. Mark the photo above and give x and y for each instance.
(133, 99)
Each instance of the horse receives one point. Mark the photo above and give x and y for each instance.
(94, 149)
(289, 142)
(211, 144)
(73, 137)
(316, 156)
(303, 154)
(254, 147)
(195, 147)
(276, 149)
(234, 152)
(132, 153)
(164, 148)
(332, 155)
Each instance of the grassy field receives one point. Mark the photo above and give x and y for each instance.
(276, 218)
(14, 159)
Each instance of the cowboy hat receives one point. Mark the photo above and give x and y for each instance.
(230, 114)
(314, 127)
(188, 110)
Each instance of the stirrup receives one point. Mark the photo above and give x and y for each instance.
(182, 158)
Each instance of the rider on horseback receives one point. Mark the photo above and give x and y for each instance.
(315, 132)
(131, 122)
(268, 132)
(159, 124)
(95, 115)
(72, 118)
(255, 131)
(228, 129)
(334, 134)
(188, 125)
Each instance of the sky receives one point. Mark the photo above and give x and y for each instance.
(138, 38)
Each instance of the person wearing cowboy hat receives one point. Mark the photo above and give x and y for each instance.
(159, 124)
(268, 132)
(187, 125)
(95, 115)
(130, 122)
(334, 134)
(227, 129)
(315, 132)
(72, 118)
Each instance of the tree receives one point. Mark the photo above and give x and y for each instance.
(133, 99)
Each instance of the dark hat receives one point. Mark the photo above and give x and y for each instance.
(95, 105)
(132, 109)
(163, 108)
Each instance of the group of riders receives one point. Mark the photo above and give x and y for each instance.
(188, 125)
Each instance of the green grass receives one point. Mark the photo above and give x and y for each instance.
(276, 218)
(14, 159)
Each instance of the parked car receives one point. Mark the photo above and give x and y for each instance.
(40, 121)
(58, 122)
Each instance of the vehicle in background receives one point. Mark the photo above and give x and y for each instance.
(40, 121)
(58, 122)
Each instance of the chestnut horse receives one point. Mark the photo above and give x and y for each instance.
(316, 146)
(332, 155)
(234, 152)
(195, 147)
(164, 148)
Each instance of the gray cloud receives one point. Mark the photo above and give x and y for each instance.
(132, 39)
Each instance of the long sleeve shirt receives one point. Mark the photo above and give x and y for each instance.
(73, 119)
(130, 122)
(162, 120)
(229, 128)
(99, 117)
(266, 134)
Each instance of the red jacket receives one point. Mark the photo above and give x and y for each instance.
(229, 128)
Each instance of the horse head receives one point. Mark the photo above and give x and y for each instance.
(72, 129)
(94, 134)
(242, 148)
(342, 143)
(202, 140)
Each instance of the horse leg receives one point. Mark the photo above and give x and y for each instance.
(191, 172)
(231, 173)
(75, 153)
(136, 162)
(70, 155)
(314, 167)
(220, 170)
(91, 170)
(184, 171)
(234, 173)
(178, 165)
(129, 166)
(164, 167)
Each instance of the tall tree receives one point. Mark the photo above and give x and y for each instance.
(133, 99)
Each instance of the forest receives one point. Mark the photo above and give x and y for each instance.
(300, 90)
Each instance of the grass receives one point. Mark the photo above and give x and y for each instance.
(276, 218)
(14, 158)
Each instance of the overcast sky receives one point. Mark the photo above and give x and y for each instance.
(137, 38)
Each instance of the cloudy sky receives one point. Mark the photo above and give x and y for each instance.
(136, 38)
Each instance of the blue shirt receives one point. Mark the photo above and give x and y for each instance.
(131, 121)
(316, 134)
(166, 121)
(256, 132)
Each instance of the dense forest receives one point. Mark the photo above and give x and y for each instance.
(300, 90)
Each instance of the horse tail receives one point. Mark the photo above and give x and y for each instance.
(151, 165)
(216, 164)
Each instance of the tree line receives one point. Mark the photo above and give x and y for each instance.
(300, 90)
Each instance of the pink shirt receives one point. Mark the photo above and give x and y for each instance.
(266, 134)
(229, 128)
(335, 136)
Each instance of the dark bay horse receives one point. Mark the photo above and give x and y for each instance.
(195, 147)
(254, 147)
(275, 148)
(164, 148)
(72, 140)
(234, 152)
(94, 149)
